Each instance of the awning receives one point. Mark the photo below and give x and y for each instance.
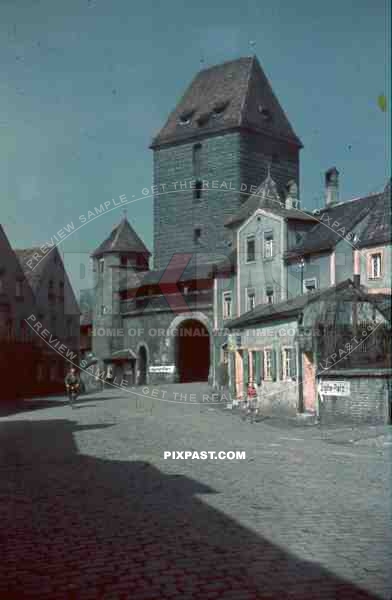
(126, 354)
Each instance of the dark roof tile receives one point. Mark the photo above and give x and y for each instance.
(123, 238)
(223, 97)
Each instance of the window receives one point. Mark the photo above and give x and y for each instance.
(103, 309)
(10, 329)
(196, 159)
(196, 234)
(375, 266)
(1, 283)
(227, 305)
(268, 364)
(288, 363)
(53, 322)
(69, 326)
(220, 107)
(186, 116)
(40, 373)
(198, 189)
(250, 248)
(268, 244)
(53, 371)
(250, 298)
(51, 294)
(23, 330)
(19, 288)
(269, 295)
(124, 260)
(101, 265)
(61, 290)
(310, 285)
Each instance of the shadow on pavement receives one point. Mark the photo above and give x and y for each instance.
(20, 406)
(74, 526)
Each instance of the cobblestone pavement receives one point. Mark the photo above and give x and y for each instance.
(89, 508)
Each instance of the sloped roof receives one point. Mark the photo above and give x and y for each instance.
(377, 225)
(375, 208)
(267, 196)
(34, 274)
(123, 238)
(198, 271)
(229, 95)
(293, 306)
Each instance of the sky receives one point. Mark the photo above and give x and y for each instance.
(86, 84)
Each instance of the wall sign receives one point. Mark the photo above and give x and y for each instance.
(330, 387)
(162, 369)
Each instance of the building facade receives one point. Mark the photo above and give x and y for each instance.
(34, 288)
(219, 143)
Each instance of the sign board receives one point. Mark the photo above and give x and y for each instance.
(162, 369)
(329, 387)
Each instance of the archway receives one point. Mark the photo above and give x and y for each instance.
(192, 351)
(142, 366)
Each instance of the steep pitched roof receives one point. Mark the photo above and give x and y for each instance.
(373, 211)
(267, 196)
(123, 238)
(230, 95)
(377, 225)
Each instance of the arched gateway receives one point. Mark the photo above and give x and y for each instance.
(192, 351)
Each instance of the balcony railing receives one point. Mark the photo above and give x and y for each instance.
(195, 299)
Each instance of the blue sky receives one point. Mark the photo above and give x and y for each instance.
(85, 84)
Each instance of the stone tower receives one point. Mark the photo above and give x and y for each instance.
(227, 128)
(115, 262)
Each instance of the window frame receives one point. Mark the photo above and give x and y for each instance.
(371, 274)
(267, 352)
(271, 295)
(250, 238)
(250, 289)
(286, 372)
(270, 256)
(225, 295)
(19, 289)
(305, 289)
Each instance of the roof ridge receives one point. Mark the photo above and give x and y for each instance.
(246, 95)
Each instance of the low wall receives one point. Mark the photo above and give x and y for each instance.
(368, 400)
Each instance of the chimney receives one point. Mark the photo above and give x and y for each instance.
(331, 186)
(292, 195)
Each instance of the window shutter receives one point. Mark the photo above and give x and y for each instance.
(273, 365)
(261, 355)
(293, 373)
(256, 374)
(280, 364)
(246, 368)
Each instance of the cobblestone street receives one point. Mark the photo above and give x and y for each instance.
(89, 508)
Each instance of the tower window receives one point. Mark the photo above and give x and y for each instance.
(197, 160)
(101, 265)
(196, 234)
(198, 189)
